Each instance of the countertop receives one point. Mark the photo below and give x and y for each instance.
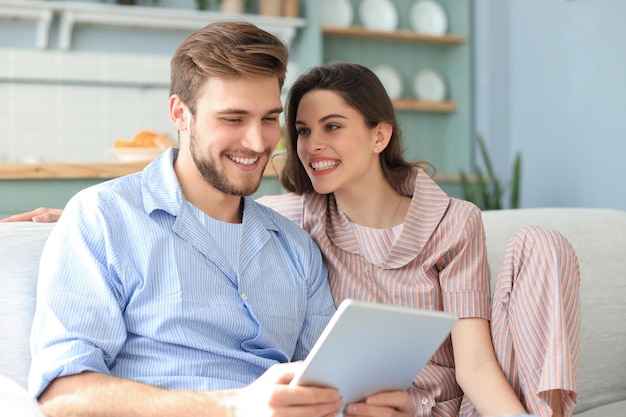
(104, 170)
(68, 170)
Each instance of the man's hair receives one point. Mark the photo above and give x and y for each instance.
(227, 50)
(361, 89)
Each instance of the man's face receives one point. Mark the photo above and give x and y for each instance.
(234, 132)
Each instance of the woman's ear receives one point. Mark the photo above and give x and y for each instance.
(179, 113)
(382, 133)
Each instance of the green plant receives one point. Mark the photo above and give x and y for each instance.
(487, 191)
(202, 4)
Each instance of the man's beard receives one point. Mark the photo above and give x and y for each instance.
(217, 179)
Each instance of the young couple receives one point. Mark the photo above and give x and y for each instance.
(169, 292)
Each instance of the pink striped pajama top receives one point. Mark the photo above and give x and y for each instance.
(437, 261)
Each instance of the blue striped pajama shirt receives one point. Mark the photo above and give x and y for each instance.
(132, 284)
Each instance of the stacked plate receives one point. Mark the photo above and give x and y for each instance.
(429, 85)
(379, 15)
(429, 18)
(337, 13)
(390, 79)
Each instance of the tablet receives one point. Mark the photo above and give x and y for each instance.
(370, 347)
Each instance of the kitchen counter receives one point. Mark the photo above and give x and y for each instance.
(26, 186)
(66, 170)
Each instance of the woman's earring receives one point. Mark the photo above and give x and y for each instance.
(375, 150)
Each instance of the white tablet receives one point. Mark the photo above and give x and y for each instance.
(370, 347)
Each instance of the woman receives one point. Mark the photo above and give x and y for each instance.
(388, 233)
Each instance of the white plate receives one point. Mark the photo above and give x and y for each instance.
(135, 154)
(390, 78)
(429, 18)
(429, 85)
(378, 15)
(337, 13)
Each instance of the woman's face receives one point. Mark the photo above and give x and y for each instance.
(334, 143)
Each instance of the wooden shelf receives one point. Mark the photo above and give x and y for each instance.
(425, 106)
(440, 132)
(398, 35)
(404, 36)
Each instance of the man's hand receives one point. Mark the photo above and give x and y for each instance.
(270, 395)
(384, 404)
(42, 215)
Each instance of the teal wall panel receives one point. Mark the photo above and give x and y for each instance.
(17, 196)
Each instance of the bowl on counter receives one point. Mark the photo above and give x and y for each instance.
(135, 154)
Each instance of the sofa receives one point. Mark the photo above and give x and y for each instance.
(597, 235)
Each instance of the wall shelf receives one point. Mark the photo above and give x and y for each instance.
(437, 132)
(426, 106)
(71, 14)
(41, 13)
(398, 35)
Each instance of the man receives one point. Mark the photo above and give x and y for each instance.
(160, 292)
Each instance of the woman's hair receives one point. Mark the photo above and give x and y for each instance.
(361, 89)
(225, 50)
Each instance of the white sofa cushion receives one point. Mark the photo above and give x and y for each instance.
(15, 401)
(20, 249)
(608, 410)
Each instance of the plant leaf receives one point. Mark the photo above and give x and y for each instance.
(515, 181)
(488, 191)
(468, 189)
(485, 155)
(483, 191)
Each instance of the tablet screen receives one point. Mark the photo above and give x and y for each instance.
(370, 347)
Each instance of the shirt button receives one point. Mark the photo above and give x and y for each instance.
(424, 401)
(244, 296)
(366, 269)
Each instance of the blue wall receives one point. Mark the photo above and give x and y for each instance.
(550, 83)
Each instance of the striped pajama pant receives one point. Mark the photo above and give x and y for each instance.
(535, 320)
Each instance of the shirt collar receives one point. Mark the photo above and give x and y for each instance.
(160, 187)
(161, 190)
(428, 206)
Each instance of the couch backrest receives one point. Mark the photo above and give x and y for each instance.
(20, 248)
(599, 239)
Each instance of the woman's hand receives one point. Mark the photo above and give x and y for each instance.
(383, 404)
(41, 215)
